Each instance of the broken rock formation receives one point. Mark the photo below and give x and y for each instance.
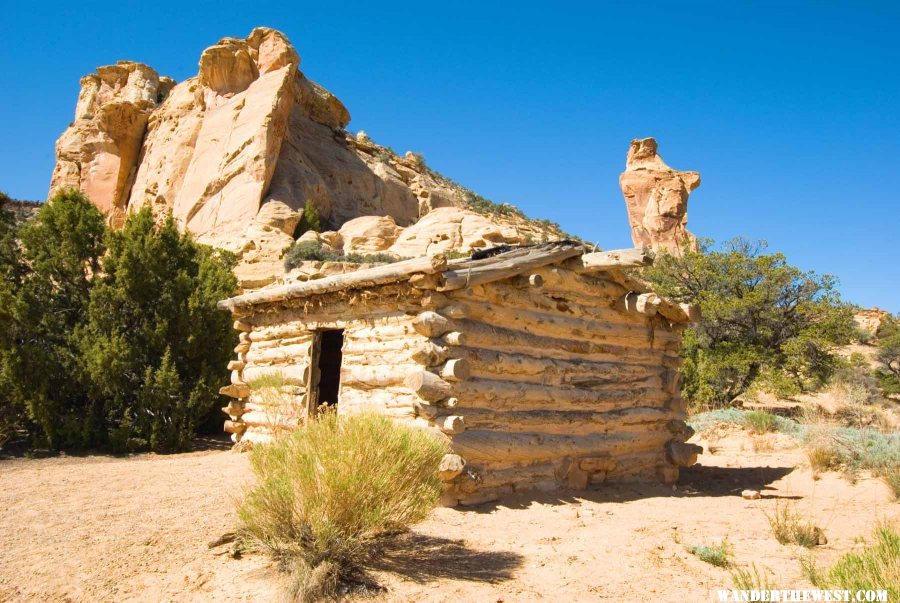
(657, 199)
(235, 153)
(98, 152)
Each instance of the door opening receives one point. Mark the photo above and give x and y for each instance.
(329, 366)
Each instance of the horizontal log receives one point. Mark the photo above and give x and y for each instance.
(589, 288)
(277, 354)
(451, 425)
(496, 394)
(290, 330)
(503, 298)
(294, 373)
(235, 427)
(366, 377)
(553, 371)
(456, 369)
(481, 335)
(428, 386)
(431, 324)
(368, 277)
(646, 304)
(234, 409)
(681, 454)
(679, 312)
(619, 258)
(530, 280)
(479, 445)
(562, 422)
(240, 325)
(429, 353)
(255, 436)
(235, 391)
(476, 272)
(454, 338)
(274, 420)
(452, 465)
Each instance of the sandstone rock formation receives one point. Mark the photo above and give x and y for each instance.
(235, 153)
(657, 198)
(98, 152)
(447, 228)
(870, 320)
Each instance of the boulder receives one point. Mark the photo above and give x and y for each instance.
(657, 199)
(368, 234)
(448, 228)
(870, 320)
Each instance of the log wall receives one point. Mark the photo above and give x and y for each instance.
(573, 380)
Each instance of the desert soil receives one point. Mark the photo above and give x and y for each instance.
(99, 528)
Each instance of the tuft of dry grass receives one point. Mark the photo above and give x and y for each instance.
(328, 493)
(763, 443)
(790, 527)
(892, 478)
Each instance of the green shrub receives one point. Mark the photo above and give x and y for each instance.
(704, 421)
(760, 422)
(790, 527)
(313, 251)
(327, 492)
(855, 449)
(309, 219)
(750, 579)
(718, 555)
(875, 567)
(763, 321)
(308, 251)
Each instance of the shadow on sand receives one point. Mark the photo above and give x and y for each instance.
(423, 558)
(698, 480)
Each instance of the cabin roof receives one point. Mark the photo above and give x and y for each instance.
(485, 266)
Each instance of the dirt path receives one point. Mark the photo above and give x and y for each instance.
(137, 528)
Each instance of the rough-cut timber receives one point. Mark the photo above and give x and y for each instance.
(544, 366)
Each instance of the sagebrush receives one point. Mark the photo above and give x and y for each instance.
(328, 492)
(717, 554)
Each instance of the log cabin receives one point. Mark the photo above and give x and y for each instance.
(545, 366)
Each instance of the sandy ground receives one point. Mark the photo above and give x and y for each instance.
(99, 528)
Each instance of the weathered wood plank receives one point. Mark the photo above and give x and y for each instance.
(368, 277)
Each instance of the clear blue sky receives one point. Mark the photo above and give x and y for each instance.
(790, 110)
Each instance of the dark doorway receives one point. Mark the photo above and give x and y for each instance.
(330, 344)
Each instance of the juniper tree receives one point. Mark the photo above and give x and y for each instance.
(155, 346)
(61, 249)
(763, 321)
